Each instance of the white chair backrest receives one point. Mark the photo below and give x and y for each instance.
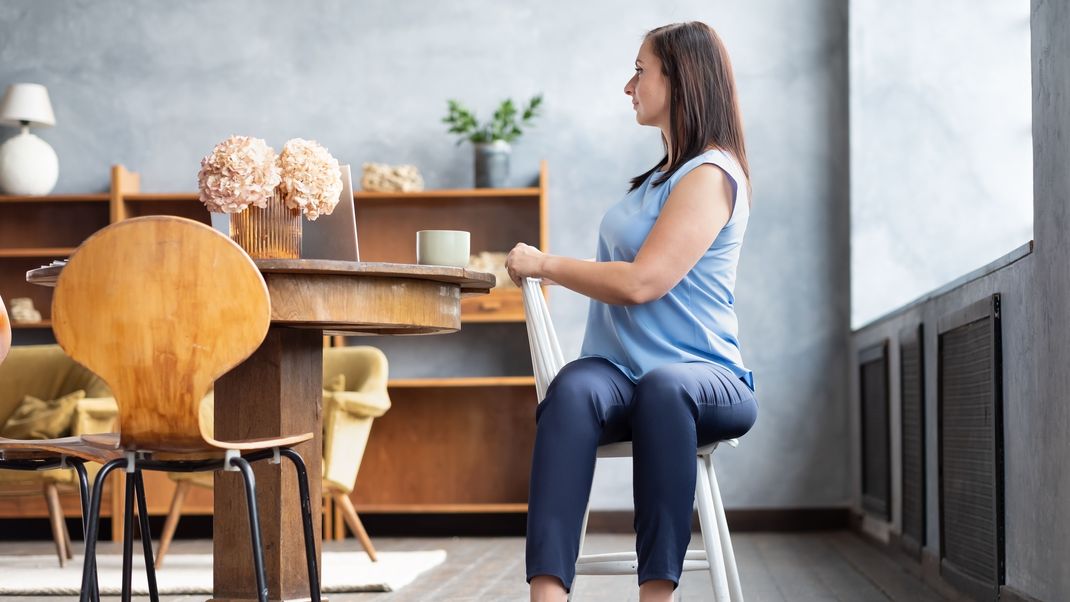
(546, 357)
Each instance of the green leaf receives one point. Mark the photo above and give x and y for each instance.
(503, 124)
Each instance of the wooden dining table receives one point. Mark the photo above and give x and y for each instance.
(278, 391)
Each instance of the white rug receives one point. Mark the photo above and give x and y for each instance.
(192, 573)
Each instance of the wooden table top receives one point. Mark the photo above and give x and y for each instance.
(353, 298)
(471, 281)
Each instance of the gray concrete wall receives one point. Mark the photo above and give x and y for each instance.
(154, 85)
(1036, 300)
(940, 130)
(1041, 446)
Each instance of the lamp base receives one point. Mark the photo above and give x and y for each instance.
(28, 165)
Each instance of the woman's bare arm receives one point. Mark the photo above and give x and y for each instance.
(696, 210)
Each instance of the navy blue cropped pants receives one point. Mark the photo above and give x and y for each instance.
(667, 415)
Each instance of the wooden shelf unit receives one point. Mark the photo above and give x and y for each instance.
(30, 325)
(454, 444)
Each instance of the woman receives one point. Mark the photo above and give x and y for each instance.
(660, 363)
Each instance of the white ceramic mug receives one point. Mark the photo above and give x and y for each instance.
(442, 247)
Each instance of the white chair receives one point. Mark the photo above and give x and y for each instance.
(717, 556)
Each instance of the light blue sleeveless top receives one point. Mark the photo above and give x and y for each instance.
(693, 322)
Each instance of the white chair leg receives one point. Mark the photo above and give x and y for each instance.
(735, 588)
(583, 537)
(708, 524)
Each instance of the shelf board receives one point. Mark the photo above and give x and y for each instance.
(489, 508)
(31, 325)
(55, 198)
(427, 195)
(462, 381)
(161, 197)
(447, 193)
(36, 252)
(489, 318)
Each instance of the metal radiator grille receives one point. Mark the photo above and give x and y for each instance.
(876, 465)
(913, 439)
(971, 467)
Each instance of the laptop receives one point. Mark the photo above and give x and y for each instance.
(334, 236)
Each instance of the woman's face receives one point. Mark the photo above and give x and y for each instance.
(649, 90)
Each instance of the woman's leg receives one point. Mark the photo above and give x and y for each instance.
(587, 403)
(674, 409)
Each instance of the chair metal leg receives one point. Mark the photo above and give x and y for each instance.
(306, 516)
(55, 518)
(146, 535)
(128, 539)
(710, 539)
(254, 526)
(735, 588)
(171, 523)
(83, 496)
(93, 526)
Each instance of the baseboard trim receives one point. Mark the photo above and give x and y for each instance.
(739, 520)
(1009, 594)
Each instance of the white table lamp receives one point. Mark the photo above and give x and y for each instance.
(28, 165)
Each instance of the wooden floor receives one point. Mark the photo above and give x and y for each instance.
(796, 567)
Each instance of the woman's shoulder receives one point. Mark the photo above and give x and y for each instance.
(713, 155)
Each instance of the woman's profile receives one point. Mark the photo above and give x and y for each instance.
(660, 363)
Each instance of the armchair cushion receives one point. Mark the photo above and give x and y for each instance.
(42, 419)
(45, 372)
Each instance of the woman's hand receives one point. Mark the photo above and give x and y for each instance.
(524, 261)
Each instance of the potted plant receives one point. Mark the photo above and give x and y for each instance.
(266, 194)
(492, 139)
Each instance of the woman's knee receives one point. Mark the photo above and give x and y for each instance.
(662, 390)
(574, 391)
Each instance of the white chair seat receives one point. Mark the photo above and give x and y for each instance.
(623, 449)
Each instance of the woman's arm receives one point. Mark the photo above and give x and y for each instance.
(696, 210)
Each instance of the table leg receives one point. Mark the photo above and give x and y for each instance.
(277, 391)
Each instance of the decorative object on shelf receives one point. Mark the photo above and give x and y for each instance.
(492, 139)
(266, 194)
(494, 263)
(28, 165)
(23, 311)
(379, 177)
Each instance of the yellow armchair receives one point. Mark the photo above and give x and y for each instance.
(46, 372)
(354, 394)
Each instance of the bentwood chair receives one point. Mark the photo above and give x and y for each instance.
(160, 307)
(716, 556)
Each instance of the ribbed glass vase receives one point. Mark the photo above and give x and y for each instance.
(273, 232)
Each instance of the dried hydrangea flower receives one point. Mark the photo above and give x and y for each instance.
(240, 171)
(311, 178)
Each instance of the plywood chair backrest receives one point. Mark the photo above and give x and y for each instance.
(160, 307)
(5, 331)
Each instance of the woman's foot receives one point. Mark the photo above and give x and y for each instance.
(545, 588)
(656, 590)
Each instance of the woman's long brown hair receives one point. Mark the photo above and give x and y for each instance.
(703, 106)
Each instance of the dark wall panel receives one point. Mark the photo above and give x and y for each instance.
(971, 449)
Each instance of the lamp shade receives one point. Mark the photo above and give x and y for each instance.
(26, 102)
